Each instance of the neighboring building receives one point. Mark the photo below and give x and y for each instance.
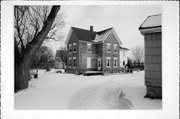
(151, 29)
(60, 59)
(123, 56)
(89, 50)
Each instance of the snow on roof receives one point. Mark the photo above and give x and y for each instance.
(100, 35)
(151, 22)
(91, 36)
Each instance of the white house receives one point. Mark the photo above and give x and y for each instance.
(123, 56)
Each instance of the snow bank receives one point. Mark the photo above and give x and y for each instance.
(69, 91)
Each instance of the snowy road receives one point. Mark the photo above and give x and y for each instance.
(69, 91)
(99, 96)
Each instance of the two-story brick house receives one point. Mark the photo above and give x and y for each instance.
(89, 50)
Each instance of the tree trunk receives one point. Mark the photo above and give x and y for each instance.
(23, 63)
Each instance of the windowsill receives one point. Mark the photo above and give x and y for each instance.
(115, 52)
(89, 52)
(108, 67)
(108, 52)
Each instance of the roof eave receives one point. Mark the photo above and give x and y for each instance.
(89, 42)
(149, 27)
(123, 48)
(150, 30)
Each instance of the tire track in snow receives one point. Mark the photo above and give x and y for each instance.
(106, 95)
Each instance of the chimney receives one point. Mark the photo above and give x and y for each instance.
(91, 28)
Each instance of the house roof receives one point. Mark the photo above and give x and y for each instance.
(123, 48)
(83, 34)
(152, 21)
(92, 36)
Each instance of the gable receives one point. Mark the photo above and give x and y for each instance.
(113, 32)
(101, 35)
(71, 37)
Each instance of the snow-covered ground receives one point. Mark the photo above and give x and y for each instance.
(69, 91)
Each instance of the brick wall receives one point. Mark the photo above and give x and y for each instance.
(153, 65)
(73, 39)
(99, 49)
(112, 40)
(83, 54)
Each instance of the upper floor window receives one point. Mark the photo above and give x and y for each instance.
(108, 48)
(74, 47)
(115, 48)
(70, 48)
(108, 62)
(74, 62)
(115, 62)
(89, 49)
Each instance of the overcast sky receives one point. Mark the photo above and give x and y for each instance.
(125, 19)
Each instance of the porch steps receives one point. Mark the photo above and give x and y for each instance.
(87, 73)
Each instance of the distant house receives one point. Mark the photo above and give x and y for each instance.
(123, 56)
(151, 30)
(89, 50)
(60, 59)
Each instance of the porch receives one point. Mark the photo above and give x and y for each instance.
(87, 73)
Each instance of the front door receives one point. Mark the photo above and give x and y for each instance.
(88, 62)
(99, 64)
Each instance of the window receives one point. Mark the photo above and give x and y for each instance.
(108, 62)
(99, 62)
(115, 62)
(70, 62)
(74, 47)
(70, 48)
(108, 48)
(115, 48)
(123, 63)
(74, 62)
(89, 50)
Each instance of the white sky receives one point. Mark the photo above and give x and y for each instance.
(125, 19)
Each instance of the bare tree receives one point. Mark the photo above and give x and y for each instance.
(32, 25)
(138, 53)
(61, 56)
(42, 59)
